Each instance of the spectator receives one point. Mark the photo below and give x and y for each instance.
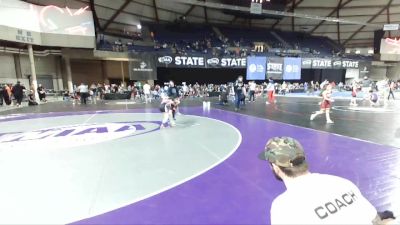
(1, 95)
(252, 88)
(238, 89)
(18, 92)
(84, 92)
(42, 93)
(31, 99)
(7, 94)
(147, 92)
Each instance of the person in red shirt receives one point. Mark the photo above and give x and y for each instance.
(326, 105)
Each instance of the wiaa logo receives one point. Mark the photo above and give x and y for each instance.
(253, 68)
(213, 61)
(307, 62)
(165, 59)
(76, 135)
(337, 63)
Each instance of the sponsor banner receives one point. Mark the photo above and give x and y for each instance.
(350, 64)
(292, 70)
(321, 64)
(181, 61)
(143, 67)
(200, 62)
(275, 68)
(306, 63)
(365, 68)
(227, 62)
(256, 68)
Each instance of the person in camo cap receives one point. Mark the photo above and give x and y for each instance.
(313, 198)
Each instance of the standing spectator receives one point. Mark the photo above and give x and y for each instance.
(93, 93)
(18, 92)
(238, 89)
(42, 93)
(252, 88)
(84, 92)
(391, 89)
(147, 92)
(284, 88)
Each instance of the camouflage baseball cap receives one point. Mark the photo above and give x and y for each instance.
(283, 151)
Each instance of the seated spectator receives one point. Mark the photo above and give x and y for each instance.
(42, 93)
(31, 99)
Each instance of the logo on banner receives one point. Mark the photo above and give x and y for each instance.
(143, 68)
(307, 62)
(275, 67)
(253, 68)
(337, 63)
(78, 135)
(213, 61)
(165, 59)
(364, 70)
(292, 68)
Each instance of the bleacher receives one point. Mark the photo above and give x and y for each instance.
(181, 38)
(247, 36)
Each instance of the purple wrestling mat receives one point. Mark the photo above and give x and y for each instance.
(240, 190)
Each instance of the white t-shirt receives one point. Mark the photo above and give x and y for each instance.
(146, 89)
(321, 199)
(252, 86)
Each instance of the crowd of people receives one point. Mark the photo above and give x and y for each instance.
(14, 94)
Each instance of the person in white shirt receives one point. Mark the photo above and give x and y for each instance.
(312, 198)
(84, 92)
(252, 87)
(147, 92)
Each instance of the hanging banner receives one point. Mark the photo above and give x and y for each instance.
(226, 62)
(321, 64)
(143, 67)
(256, 68)
(350, 64)
(181, 61)
(365, 68)
(275, 68)
(292, 69)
